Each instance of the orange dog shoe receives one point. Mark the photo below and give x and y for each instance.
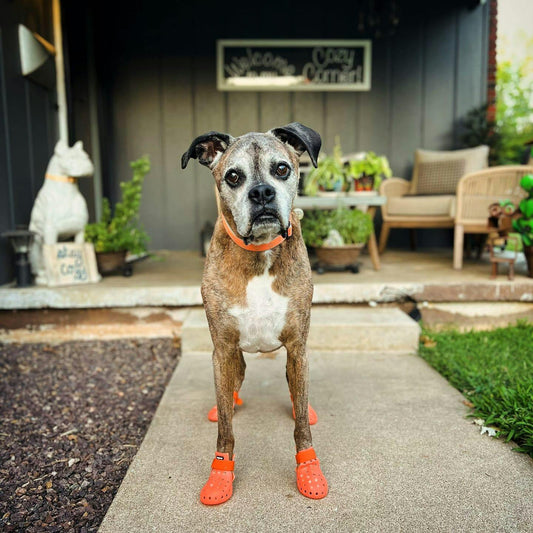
(313, 417)
(213, 414)
(219, 486)
(309, 478)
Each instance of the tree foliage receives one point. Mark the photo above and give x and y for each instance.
(513, 126)
(514, 110)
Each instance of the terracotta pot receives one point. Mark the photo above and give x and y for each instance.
(528, 252)
(109, 262)
(364, 183)
(339, 255)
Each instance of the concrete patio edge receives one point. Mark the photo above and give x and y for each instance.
(102, 295)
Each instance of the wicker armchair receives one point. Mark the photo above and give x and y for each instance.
(428, 200)
(475, 192)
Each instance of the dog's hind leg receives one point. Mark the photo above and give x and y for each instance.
(239, 374)
(240, 367)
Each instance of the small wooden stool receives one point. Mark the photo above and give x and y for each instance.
(497, 240)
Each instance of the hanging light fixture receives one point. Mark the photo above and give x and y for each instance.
(377, 18)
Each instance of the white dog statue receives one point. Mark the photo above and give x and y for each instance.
(59, 211)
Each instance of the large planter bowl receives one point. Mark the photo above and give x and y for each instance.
(109, 262)
(339, 256)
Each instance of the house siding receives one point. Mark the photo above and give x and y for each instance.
(28, 123)
(156, 90)
(162, 94)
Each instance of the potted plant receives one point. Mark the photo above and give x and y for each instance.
(329, 178)
(120, 232)
(337, 235)
(524, 224)
(368, 173)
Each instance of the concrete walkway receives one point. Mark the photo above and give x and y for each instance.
(392, 437)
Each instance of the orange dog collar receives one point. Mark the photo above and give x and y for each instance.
(57, 177)
(254, 247)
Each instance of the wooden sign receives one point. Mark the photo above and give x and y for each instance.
(297, 65)
(68, 263)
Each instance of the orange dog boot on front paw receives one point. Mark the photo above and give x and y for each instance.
(219, 486)
(309, 478)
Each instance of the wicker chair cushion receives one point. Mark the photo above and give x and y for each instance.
(439, 177)
(415, 206)
(475, 159)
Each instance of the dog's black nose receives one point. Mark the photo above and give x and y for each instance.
(262, 194)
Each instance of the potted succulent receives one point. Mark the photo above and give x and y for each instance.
(120, 232)
(337, 235)
(367, 173)
(524, 224)
(329, 178)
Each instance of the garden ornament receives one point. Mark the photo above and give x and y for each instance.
(59, 211)
(499, 224)
(257, 285)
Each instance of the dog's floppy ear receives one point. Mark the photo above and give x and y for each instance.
(301, 138)
(207, 148)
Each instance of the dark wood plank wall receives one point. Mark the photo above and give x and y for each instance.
(28, 122)
(163, 94)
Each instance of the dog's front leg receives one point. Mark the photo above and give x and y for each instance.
(219, 486)
(225, 366)
(298, 378)
(309, 477)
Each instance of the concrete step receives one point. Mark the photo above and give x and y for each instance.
(333, 328)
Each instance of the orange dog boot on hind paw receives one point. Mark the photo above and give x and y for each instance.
(219, 486)
(313, 417)
(309, 478)
(213, 414)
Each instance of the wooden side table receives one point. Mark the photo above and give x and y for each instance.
(368, 202)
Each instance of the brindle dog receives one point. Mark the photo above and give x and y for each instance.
(257, 287)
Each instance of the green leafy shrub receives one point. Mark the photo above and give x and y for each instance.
(477, 129)
(376, 166)
(329, 174)
(524, 224)
(353, 226)
(122, 230)
(334, 174)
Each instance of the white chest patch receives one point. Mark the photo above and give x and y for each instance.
(262, 320)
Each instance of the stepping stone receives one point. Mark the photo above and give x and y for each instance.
(333, 328)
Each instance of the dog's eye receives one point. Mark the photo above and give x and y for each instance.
(282, 170)
(232, 178)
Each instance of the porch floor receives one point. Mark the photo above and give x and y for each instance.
(173, 278)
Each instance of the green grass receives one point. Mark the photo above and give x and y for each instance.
(494, 370)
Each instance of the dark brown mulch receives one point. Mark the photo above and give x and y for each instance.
(72, 417)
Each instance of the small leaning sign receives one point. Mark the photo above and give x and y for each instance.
(295, 65)
(69, 263)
